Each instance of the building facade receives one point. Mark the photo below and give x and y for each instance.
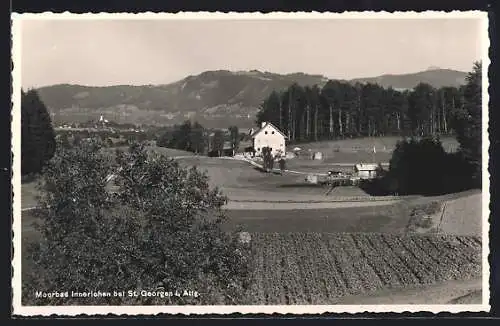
(367, 171)
(269, 136)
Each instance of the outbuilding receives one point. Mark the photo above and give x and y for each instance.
(367, 170)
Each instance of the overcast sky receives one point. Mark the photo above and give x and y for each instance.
(105, 52)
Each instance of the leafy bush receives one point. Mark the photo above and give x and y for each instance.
(159, 230)
(188, 136)
(421, 166)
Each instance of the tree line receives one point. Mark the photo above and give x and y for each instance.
(38, 142)
(193, 137)
(421, 165)
(342, 110)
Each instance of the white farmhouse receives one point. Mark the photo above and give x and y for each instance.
(269, 136)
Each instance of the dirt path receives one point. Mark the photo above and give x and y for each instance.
(452, 292)
(458, 216)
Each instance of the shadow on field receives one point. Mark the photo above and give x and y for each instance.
(256, 168)
(386, 218)
(301, 185)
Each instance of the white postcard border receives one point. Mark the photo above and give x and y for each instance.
(19, 309)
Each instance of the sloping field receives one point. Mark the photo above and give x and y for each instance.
(320, 268)
(330, 157)
(449, 292)
(383, 218)
(462, 216)
(241, 181)
(304, 206)
(366, 144)
(457, 214)
(229, 173)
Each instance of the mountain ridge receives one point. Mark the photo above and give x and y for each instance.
(437, 77)
(215, 98)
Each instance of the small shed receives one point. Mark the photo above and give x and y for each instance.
(367, 170)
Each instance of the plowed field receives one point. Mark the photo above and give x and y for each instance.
(321, 268)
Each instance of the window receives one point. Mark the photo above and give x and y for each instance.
(258, 149)
(265, 132)
(272, 132)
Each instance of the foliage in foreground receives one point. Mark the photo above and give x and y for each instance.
(158, 231)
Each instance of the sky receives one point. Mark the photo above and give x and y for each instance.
(140, 52)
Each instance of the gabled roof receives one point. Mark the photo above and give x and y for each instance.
(367, 166)
(273, 126)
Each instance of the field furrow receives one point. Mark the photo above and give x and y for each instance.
(286, 278)
(307, 271)
(439, 267)
(404, 265)
(337, 243)
(257, 288)
(321, 268)
(320, 293)
(369, 278)
(296, 287)
(403, 246)
(381, 269)
(478, 241)
(390, 261)
(272, 268)
(469, 242)
(459, 250)
(327, 265)
(419, 260)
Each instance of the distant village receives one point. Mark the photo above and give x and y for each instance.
(101, 124)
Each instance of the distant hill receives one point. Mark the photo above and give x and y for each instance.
(214, 98)
(434, 76)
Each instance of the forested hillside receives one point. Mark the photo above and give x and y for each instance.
(341, 109)
(216, 99)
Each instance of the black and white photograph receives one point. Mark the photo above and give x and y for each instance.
(218, 163)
